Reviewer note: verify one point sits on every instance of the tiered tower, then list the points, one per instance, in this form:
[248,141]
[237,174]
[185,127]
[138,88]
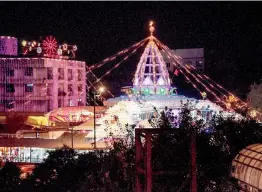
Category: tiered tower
[151,77]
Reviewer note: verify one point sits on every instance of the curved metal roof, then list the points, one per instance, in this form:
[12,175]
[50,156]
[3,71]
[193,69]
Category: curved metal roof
[247,166]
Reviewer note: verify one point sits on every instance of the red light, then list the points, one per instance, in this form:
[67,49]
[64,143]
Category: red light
[50,45]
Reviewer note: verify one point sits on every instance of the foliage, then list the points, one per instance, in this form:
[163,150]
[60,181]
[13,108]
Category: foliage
[114,170]
[9,177]
[254,98]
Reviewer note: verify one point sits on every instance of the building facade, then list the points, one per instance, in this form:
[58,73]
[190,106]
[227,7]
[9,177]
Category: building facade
[41,84]
[194,57]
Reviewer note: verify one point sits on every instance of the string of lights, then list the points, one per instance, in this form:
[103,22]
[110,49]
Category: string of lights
[117,65]
[113,57]
[99,81]
[186,70]
[208,79]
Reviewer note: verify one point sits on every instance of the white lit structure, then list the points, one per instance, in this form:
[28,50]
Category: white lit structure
[41,84]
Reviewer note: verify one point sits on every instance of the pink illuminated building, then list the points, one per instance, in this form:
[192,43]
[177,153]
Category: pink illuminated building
[41,84]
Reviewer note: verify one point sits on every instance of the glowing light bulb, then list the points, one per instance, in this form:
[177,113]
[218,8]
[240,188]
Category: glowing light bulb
[151,23]
[23,43]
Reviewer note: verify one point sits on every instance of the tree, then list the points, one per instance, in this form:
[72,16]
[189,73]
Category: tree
[254,98]
[217,143]
[10,177]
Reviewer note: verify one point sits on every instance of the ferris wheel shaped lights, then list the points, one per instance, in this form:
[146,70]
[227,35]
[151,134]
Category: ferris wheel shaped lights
[50,45]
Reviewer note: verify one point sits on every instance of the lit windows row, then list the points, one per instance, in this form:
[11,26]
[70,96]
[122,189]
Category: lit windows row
[10,87]
[28,71]
[61,74]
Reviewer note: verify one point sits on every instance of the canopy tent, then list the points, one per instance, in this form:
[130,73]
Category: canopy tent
[37,121]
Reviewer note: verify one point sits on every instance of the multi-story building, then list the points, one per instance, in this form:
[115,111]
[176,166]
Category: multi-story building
[40,84]
[194,57]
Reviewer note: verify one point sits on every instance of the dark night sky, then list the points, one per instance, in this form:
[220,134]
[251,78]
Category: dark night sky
[229,32]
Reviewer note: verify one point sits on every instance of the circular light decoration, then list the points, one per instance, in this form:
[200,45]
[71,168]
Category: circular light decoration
[39,50]
[30,48]
[50,45]
[74,48]
[59,51]
[23,43]
[162,91]
[146,91]
[29,43]
[65,47]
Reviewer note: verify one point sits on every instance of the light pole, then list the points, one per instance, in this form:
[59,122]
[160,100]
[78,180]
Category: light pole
[101,90]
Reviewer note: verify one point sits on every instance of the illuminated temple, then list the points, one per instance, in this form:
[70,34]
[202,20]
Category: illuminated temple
[43,99]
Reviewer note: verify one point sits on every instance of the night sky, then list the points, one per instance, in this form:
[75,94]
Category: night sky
[231,33]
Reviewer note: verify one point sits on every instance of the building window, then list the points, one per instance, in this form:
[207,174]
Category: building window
[10,72]
[49,73]
[29,87]
[70,90]
[49,90]
[29,71]
[61,91]
[79,75]
[61,73]
[80,88]
[60,102]
[70,74]
[70,102]
[167,65]
[10,104]
[10,88]
[79,102]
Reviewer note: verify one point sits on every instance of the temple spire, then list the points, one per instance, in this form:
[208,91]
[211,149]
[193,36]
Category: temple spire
[151,75]
[151,28]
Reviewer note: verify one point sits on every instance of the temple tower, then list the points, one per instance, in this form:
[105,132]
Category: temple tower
[151,77]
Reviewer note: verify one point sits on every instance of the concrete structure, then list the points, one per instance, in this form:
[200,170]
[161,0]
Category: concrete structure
[194,57]
[41,84]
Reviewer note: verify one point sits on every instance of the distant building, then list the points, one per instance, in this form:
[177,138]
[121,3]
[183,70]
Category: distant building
[38,84]
[194,57]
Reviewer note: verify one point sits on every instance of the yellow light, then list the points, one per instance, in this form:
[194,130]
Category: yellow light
[151,23]
[101,89]
[253,113]
[23,43]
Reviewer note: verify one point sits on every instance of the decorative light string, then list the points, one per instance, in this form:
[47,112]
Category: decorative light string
[113,57]
[98,80]
[206,78]
[180,64]
[117,65]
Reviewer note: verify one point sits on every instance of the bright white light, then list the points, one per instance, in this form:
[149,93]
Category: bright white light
[160,81]
[101,89]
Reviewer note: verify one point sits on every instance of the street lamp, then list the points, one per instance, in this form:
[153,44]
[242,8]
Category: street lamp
[101,90]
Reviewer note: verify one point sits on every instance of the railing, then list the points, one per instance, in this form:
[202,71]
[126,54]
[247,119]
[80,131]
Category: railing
[11,136]
[21,160]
